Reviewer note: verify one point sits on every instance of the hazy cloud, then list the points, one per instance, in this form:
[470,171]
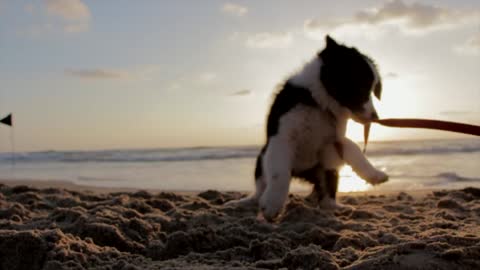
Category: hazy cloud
[411,18]
[456,113]
[391,75]
[415,15]
[75,14]
[241,93]
[234,9]
[140,72]
[174,86]
[68,9]
[97,73]
[471,46]
[195,80]
[269,40]
[207,77]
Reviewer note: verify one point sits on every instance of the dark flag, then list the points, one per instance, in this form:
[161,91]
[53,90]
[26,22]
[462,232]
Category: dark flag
[7,120]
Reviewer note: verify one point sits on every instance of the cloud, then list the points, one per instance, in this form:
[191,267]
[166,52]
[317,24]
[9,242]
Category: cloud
[174,86]
[68,9]
[456,113]
[97,73]
[413,18]
[244,92]
[207,77]
[391,75]
[269,40]
[195,80]
[74,14]
[471,46]
[141,72]
[234,9]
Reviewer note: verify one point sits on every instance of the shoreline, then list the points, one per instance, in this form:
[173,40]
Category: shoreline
[41,184]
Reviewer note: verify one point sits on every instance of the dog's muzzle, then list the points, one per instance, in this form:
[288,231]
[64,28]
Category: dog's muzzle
[363,118]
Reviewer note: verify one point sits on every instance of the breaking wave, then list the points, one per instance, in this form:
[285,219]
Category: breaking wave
[223,153]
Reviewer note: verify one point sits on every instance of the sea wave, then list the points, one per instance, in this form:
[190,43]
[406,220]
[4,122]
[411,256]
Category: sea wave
[440,178]
[222,153]
[424,150]
[149,155]
[454,177]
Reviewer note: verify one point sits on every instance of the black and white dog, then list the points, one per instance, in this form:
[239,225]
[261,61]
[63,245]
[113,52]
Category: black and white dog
[306,128]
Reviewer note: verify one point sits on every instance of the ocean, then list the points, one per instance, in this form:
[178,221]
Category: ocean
[411,165]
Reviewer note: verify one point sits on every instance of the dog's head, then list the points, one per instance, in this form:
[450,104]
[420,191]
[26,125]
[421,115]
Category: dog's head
[350,78]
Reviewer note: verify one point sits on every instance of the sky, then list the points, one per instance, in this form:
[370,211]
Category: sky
[80,74]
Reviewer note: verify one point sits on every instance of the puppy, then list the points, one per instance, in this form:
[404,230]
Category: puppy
[306,128]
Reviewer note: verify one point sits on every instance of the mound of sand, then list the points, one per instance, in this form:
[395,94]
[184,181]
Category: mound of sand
[60,229]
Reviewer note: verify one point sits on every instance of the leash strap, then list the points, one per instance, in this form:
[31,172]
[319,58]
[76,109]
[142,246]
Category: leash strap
[422,123]
[431,124]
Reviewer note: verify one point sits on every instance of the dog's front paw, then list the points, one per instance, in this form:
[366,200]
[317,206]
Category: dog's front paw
[377,177]
[271,205]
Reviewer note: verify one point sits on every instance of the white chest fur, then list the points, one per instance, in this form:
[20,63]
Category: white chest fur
[307,131]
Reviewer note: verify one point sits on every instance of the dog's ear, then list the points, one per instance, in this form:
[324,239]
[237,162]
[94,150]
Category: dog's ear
[331,43]
[330,49]
[378,90]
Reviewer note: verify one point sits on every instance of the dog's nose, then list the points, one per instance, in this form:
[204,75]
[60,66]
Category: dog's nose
[374,116]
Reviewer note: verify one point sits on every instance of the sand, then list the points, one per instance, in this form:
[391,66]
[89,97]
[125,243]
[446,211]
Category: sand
[57,228]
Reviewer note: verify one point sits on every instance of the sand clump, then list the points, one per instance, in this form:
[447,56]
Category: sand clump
[61,229]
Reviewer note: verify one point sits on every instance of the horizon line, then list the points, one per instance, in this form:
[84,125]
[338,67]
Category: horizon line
[217,146]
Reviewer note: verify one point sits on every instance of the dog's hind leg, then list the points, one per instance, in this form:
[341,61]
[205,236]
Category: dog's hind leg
[260,183]
[332,162]
[325,184]
[324,192]
[331,183]
[329,201]
[316,176]
[277,173]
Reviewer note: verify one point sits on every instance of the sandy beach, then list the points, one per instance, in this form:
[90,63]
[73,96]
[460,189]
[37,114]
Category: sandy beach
[72,227]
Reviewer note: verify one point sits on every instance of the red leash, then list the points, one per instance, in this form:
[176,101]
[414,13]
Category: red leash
[423,123]
[431,124]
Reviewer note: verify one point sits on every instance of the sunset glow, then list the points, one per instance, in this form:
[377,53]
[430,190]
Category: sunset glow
[351,182]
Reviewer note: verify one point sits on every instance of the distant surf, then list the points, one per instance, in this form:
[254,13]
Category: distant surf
[219,153]
[410,164]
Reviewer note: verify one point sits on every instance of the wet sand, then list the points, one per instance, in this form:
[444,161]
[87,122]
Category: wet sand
[71,228]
